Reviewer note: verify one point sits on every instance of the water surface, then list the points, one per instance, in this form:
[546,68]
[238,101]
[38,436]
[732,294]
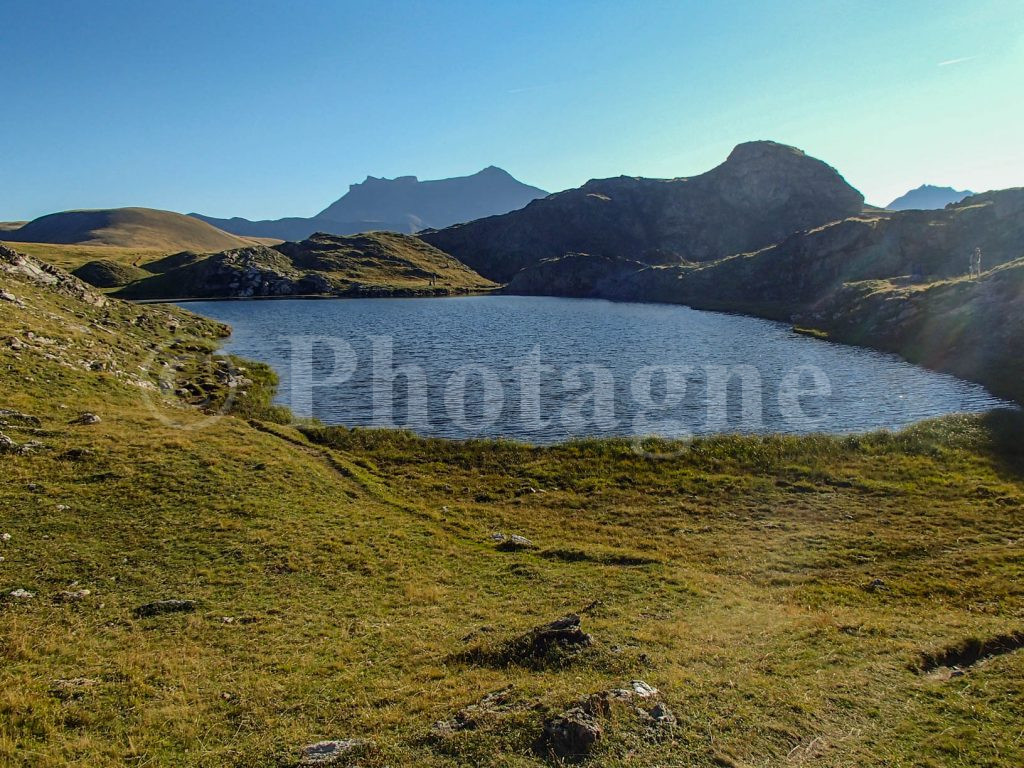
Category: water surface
[549,369]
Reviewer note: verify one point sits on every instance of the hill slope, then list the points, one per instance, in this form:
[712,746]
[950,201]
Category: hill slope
[871,280]
[404,204]
[761,194]
[928,197]
[793,600]
[145,228]
[373,264]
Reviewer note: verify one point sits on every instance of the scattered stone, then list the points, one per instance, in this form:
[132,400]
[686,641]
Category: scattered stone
[161,607]
[572,734]
[512,542]
[661,716]
[7,445]
[71,596]
[85,418]
[330,752]
[7,416]
[72,689]
[564,637]
[22,594]
[5,296]
[472,717]
[876,585]
[5,537]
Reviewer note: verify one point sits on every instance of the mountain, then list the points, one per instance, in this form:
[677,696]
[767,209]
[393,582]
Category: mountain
[763,192]
[891,280]
[404,204]
[126,227]
[927,197]
[371,264]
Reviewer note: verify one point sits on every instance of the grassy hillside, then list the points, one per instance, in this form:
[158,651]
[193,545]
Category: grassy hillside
[784,594]
[143,228]
[371,264]
[70,257]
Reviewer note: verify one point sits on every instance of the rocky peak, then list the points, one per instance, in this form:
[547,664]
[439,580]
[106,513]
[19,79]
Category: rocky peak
[763,151]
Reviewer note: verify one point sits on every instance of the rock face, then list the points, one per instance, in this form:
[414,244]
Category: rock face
[928,197]
[761,194]
[404,204]
[578,275]
[891,280]
[375,264]
[53,278]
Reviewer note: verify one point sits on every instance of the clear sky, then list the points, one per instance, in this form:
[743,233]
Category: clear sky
[266,109]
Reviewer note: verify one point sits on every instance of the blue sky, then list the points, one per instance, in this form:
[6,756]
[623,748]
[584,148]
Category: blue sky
[266,109]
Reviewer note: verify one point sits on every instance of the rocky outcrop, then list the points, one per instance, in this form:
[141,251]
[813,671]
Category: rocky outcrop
[375,264]
[890,280]
[761,194]
[578,275]
[53,278]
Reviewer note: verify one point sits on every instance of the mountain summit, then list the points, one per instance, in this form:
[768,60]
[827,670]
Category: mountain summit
[403,204]
[928,197]
[762,193]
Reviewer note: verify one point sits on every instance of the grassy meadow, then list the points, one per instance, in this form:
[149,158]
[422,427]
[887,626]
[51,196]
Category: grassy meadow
[782,593]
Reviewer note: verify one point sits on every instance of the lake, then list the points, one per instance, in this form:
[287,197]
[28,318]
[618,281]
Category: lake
[548,369]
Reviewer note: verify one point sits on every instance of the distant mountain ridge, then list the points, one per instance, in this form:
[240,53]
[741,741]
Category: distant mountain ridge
[762,193]
[404,204]
[928,197]
[126,227]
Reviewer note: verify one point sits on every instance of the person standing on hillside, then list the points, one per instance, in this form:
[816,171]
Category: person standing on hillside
[975,271]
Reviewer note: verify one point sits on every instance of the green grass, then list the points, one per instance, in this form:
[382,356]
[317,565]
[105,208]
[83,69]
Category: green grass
[731,576]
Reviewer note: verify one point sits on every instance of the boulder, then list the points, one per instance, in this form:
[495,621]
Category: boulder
[563,637]
[572,734]
[512,542]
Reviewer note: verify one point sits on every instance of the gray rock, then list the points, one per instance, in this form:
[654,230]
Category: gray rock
[512,542]
[161,607]
[471,717]
[86,418]
[8,416]
[662,716]
[330,752]
[572,734]
[7,445]
[22,594]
